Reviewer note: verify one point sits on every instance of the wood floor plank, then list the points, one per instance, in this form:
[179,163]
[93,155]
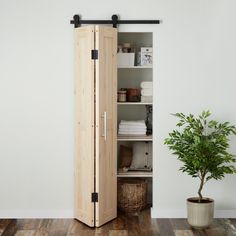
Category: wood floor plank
[233,221]
[133,226]
[165,227]
[25,233]
[11,228]
[138,224]
[119,223]
[198,232]
[148,226]
[215,232]
[118,233]
[76,227]
[55,227]
[180,224]
[28,224]
[4,223]
[41,232]
[183,232]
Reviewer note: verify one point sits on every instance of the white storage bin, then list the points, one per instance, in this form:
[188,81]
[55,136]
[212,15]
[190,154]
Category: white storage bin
[125,59]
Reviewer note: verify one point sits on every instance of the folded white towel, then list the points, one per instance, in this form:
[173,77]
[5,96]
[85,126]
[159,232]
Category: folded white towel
[132,129]
[133,122]
[131,133]
[146,98]
[141,126]
[146,84]
[146,92]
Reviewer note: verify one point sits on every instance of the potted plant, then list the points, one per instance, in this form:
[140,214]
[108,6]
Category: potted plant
[201,145]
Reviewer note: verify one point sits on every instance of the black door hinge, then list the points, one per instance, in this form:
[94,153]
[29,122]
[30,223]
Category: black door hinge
[94,54]
[94,197]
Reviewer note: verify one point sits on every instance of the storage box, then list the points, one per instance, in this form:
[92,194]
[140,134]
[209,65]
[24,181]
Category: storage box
[146,56]
[125,59]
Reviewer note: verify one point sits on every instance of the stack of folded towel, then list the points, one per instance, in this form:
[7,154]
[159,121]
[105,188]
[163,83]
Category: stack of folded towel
[137,127]
[146,91]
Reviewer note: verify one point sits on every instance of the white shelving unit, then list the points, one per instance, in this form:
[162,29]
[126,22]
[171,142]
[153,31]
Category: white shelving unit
[143,174]
[131,77]
[134,67]
[146,138]
[134,103]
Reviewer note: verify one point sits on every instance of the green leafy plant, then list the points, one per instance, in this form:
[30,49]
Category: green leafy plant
[201,145]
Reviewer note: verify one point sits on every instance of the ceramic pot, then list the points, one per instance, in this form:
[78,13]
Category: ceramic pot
[200,214]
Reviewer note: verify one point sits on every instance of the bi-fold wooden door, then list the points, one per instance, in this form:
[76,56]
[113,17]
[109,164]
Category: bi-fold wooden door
[96,122]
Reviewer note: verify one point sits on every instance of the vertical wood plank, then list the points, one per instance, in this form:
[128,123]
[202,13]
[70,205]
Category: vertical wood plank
[106,122]
[84,118]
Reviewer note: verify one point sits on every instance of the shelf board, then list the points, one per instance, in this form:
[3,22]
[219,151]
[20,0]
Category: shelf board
[135,174]
[134,103]
[134,67]
[134,138]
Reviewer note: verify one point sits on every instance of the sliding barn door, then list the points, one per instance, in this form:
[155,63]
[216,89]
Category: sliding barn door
[106,124]
[84,125]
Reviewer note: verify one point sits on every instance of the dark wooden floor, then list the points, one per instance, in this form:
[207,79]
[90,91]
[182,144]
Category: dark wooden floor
[125,225]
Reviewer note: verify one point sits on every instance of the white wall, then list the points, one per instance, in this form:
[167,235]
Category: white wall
[194,70]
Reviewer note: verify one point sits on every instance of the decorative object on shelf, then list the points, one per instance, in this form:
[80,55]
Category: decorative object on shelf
[137,127]
[142,156]
[202,145]
[146,56]
[132,195]
[138,58]
[126,47]
[133,95]
[146,91]
[149,119]
[119,49]
[122,94]
[126,156]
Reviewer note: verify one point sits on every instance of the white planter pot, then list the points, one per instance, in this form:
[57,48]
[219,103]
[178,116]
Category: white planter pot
[200,215]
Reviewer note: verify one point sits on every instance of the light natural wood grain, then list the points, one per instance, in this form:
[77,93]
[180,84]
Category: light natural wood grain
[84,135]
[106,130]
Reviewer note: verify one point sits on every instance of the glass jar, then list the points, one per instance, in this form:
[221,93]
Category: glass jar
[122,95]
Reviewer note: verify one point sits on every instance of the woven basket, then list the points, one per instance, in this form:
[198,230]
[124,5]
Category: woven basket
[132,195]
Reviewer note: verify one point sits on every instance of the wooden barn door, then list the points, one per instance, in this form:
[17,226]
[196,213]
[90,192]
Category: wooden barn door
[96,121]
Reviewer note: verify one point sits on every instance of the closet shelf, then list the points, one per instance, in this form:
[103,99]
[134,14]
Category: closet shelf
[134,174]
[134,67]
[134,138]
[134,103]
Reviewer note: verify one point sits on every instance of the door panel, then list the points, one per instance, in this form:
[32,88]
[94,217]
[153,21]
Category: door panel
[84,122]
[106,124]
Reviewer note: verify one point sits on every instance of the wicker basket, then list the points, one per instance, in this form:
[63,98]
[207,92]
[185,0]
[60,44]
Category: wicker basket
[132,195]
